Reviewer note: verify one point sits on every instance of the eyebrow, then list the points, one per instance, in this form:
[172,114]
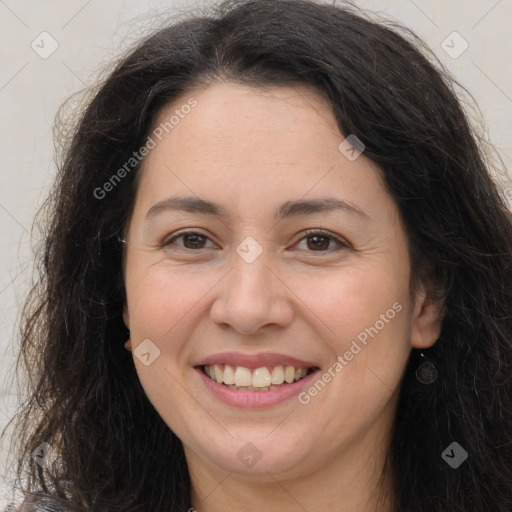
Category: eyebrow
[286,210]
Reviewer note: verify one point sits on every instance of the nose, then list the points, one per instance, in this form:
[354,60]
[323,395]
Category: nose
[252,297]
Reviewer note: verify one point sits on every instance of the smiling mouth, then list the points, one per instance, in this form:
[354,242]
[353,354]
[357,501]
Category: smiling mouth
[265,378]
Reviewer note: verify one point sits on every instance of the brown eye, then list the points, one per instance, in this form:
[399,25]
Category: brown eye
[191,240]
[319,241]
[194,241]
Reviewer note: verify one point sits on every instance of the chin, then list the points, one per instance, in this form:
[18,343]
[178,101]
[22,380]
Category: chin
[256,455]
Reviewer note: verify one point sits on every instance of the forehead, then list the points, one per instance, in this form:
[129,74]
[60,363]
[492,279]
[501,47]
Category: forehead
[238,117]
[244,144]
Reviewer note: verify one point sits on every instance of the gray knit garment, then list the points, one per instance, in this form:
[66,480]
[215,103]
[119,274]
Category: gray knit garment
[37,503]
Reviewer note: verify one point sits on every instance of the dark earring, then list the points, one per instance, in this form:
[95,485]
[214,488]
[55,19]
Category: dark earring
[426,372]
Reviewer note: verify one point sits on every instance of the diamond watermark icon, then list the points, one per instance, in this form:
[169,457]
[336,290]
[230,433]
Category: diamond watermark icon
[454,455]
[45,455]
[249,455]
[147,352]
[249,249]
[351,148]
[44,45]
[454,45]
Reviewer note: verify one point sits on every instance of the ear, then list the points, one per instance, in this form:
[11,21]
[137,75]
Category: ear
[126,316]
[427,320]
[126,320]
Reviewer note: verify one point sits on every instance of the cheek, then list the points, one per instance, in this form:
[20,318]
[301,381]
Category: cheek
[348,300]
[162,296]
[163,304]
[361,314]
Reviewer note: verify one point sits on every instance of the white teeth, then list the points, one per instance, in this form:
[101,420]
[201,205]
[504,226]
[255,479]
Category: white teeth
[261,378]
[229,374]
[277,375]
[243,376]
[289,374]
[219,374]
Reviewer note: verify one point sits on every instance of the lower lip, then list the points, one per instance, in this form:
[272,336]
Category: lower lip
[254,399]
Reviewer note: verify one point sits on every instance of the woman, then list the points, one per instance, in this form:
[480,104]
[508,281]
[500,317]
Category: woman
[277,273]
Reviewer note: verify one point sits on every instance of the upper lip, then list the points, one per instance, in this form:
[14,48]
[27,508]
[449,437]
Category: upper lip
[256,360]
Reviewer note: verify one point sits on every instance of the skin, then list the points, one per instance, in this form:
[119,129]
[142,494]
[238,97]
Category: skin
[250,150]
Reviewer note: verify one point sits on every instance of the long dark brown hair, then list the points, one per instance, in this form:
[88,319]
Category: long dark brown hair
[85,399]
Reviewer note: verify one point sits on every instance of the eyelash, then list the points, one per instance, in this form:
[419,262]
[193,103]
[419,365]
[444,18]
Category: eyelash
[309,233]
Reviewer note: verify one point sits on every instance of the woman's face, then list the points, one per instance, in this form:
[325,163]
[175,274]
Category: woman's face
[250,172]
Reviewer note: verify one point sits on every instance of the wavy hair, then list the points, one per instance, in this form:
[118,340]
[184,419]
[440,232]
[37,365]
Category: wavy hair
[384,86]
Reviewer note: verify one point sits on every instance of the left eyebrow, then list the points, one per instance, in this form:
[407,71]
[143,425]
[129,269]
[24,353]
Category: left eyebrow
[286,210]
[311,206]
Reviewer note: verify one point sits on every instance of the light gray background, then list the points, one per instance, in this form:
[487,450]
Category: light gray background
[91,33]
